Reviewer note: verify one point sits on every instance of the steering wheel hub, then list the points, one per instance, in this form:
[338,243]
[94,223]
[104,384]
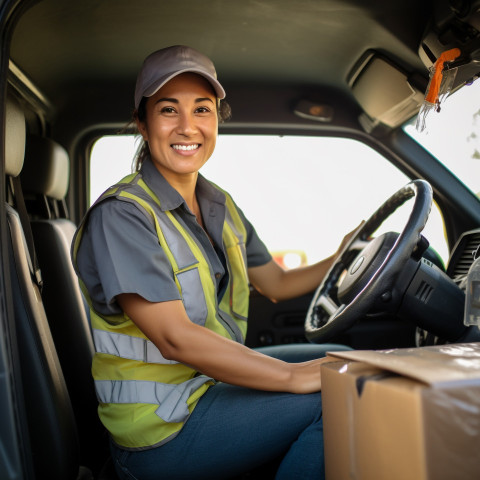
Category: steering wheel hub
[363,267]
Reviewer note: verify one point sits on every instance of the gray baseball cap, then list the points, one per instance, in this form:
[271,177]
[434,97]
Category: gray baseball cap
[163,65]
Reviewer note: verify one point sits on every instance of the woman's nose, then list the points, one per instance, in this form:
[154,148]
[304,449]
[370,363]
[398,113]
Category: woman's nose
[186,124]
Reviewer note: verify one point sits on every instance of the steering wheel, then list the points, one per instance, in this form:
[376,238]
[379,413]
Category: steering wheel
[359,283]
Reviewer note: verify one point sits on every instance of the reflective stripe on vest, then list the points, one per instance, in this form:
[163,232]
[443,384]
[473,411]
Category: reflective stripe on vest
[232,224]
[118,342]
[126,346]
[234,240]
[172,399]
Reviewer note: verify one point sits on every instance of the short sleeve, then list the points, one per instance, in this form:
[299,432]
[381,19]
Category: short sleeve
[120,253]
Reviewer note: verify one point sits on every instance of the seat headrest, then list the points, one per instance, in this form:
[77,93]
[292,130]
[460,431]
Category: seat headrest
[47,168]
[14,137]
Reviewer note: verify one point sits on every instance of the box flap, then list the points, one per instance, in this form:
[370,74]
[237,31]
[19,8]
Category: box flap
[436,365]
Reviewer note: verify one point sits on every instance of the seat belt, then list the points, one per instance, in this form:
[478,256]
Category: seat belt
[27,229]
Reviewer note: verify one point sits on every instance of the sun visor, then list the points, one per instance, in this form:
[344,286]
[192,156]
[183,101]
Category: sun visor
[386,93]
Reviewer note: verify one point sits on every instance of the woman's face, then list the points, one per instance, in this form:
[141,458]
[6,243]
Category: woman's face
[181,126]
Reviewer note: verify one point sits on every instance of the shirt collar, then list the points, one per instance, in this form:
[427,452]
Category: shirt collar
[169,198]
[208,191]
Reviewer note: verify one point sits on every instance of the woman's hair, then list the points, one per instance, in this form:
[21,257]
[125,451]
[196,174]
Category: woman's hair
[224,114]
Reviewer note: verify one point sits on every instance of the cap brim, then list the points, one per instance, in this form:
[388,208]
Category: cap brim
[159,83]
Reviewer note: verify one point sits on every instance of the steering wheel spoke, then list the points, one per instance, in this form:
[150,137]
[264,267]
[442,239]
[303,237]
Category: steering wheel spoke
[325,308]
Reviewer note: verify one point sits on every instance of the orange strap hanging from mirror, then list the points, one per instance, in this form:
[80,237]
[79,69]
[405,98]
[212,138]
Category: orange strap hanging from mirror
[436,80]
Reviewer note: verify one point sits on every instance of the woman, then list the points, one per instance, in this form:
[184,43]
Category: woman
[165,259]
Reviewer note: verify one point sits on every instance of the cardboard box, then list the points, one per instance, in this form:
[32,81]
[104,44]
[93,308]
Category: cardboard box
[409,414]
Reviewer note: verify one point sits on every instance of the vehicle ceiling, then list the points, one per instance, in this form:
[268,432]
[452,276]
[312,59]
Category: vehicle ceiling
[89,50]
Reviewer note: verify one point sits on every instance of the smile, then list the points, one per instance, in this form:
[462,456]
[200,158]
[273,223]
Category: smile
[185,147]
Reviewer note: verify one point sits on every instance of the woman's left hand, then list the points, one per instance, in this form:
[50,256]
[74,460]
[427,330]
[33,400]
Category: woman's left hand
[347,238]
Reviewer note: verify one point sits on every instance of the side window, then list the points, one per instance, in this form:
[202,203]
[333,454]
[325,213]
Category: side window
[110,160]
[302,194]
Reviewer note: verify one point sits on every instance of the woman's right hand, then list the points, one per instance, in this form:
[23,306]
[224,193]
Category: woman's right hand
[306,376]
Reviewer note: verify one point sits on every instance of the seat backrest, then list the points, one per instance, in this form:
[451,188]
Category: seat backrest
[51,424]
[45,180]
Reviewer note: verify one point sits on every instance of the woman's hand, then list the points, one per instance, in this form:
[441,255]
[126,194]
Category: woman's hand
[306,376]
[347,238]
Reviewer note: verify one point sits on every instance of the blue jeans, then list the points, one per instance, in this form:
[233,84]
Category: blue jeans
[234,430]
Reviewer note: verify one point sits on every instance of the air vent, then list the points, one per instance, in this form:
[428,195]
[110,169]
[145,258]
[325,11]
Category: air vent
[424,291]
[463,255]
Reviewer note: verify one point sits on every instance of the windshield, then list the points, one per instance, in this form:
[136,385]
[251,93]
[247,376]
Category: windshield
[296,190]
[453,135]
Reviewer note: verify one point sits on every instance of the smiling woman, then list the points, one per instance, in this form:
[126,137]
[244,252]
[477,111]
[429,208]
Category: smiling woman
[166,257]
[180,126]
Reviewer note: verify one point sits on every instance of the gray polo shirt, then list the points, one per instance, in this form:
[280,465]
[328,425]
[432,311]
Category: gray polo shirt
[120,252]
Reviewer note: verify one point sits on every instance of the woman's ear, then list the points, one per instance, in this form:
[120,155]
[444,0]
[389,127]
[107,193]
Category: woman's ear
[142,128]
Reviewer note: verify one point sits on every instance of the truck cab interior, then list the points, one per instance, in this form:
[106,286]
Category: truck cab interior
[336,86]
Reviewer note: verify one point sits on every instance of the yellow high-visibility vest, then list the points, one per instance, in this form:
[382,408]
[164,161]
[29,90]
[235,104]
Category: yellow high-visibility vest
[145,398]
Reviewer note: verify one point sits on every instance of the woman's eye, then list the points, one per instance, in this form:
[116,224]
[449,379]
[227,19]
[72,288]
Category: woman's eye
[168,110]
[202,110]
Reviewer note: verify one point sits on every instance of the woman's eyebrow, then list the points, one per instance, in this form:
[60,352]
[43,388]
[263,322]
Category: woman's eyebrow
[174,100]
[170,100]
[199,100]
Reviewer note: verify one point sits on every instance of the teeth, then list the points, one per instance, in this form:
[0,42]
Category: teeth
[185,147]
